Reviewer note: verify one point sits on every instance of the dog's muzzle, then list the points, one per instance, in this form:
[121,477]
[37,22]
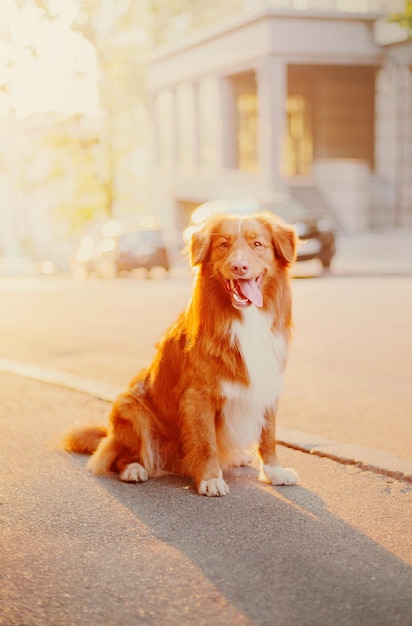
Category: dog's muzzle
[245,292]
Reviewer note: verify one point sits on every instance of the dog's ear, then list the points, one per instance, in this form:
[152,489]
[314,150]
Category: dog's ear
[284,239]
[286,243]
[199,246]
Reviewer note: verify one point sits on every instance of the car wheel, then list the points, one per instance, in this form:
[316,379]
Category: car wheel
[158,271]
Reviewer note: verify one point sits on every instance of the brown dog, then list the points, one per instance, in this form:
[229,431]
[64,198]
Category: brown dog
[213,387]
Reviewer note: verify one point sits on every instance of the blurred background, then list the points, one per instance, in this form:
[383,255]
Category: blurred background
[121,116]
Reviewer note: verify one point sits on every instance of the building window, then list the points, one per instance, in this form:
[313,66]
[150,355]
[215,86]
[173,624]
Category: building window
[246,116]
[358,6]
[299,138]
[330,115]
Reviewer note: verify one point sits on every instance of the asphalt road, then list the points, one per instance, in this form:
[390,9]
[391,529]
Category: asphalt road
[79,550]
[348,376]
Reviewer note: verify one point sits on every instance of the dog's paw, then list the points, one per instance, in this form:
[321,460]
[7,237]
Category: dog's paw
[134,473]
[277,475]
[213,487]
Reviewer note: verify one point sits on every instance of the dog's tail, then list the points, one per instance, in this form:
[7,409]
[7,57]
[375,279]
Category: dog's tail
[83,439]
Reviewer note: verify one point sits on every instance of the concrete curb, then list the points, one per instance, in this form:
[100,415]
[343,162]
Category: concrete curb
[346,454]
[52,376]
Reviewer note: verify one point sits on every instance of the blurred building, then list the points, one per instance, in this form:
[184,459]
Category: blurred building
[309,96]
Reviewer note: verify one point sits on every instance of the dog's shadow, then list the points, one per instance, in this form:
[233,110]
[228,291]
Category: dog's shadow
[269,550]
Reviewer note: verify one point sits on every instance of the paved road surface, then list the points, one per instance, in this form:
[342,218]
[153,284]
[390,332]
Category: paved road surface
[348,376]
[80,550]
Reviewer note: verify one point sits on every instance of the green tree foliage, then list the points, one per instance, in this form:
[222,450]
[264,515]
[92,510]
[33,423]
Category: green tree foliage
[403,18]
[84,171]
[75,147]
[123,33]
[119,31]
[172,18]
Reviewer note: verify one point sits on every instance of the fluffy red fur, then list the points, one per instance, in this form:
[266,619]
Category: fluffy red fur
[213,387]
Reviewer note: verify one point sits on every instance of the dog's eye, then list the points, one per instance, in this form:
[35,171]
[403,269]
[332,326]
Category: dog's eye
[224,244]
[257,244]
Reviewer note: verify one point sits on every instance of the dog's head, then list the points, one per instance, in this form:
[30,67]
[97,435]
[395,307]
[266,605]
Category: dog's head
[244,253]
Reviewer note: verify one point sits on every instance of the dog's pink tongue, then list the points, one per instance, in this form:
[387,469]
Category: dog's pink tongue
[251,291]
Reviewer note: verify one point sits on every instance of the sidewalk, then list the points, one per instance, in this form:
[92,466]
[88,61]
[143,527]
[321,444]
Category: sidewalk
[380,253]
[385,252]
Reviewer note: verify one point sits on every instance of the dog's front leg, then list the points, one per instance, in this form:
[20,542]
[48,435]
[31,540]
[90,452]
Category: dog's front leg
[270,469]
[199,440]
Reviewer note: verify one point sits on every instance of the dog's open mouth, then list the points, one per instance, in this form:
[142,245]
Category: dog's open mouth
[245,291]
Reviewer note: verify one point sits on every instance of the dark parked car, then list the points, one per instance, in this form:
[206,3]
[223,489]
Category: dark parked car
[314,229]
[125,252]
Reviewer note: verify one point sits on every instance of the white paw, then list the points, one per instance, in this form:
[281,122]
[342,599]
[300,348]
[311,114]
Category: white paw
[213,487]
[277,475]
[134,473]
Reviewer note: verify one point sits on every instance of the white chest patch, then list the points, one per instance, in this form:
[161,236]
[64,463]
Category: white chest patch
[264,354]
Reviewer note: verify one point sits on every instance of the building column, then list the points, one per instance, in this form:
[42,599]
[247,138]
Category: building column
[228,123]
[403,140]
[196,124]
[271,78]
[164,121]
[154,131]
